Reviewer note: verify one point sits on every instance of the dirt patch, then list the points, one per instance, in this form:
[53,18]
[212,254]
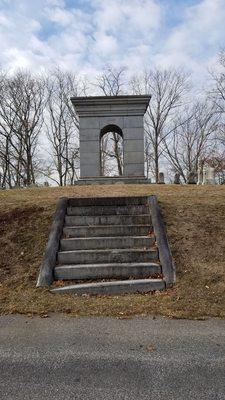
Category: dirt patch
[195,220]
[23,233]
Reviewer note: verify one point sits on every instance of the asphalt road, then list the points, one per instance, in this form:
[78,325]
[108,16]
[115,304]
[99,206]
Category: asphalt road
[103,358]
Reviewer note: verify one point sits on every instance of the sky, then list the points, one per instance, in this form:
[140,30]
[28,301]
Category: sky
[86,35]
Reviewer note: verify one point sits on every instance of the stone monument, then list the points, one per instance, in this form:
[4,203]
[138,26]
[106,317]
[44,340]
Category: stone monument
[191,178]
[103,114]
[177,178]
[161,178]
[200,174]
[208,175]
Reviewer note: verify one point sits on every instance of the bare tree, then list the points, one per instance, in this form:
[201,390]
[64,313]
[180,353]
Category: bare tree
[111,83]
[192,139]
[112,154]
[5,178]
[217,94]
[168,89]
[62,127]
[21,120]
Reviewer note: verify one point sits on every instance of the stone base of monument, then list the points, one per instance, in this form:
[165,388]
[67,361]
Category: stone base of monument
[113,180]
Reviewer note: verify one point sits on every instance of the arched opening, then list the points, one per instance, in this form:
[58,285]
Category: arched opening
[111,151]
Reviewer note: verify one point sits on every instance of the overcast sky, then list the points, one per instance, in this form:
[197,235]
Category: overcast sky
[84,35]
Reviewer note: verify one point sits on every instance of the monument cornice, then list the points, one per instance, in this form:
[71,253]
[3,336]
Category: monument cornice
[115,105]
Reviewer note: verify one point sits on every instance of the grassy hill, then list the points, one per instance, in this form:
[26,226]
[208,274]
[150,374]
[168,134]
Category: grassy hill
[195,220]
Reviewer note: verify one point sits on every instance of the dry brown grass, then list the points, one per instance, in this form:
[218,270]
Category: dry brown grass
[195,219]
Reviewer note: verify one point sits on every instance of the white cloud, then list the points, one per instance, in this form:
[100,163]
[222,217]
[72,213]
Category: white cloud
[105,44]
[104,35]
[18,57]
[58,3]
[60,16]
[195,42]
[4,21]
[133,33]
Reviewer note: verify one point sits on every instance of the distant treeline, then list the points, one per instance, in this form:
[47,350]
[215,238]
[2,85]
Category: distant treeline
[39,129]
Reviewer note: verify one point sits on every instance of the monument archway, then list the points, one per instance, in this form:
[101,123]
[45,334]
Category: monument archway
[98,114]
[111,151]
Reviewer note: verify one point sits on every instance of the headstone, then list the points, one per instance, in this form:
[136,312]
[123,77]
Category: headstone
[200,175]
[191,178]
[177,178]
[161,178]
[208,175]
[211,176]
[46,184]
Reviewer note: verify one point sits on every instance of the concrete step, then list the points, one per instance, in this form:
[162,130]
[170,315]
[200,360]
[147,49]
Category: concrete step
[109,201]
[107,256]
[118,242]
[107,220]
[101,271]
[114,288]
[109,210]
[106,230]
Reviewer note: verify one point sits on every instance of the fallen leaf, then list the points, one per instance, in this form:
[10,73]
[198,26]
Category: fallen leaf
[44,316]
[150,348]
[59,283]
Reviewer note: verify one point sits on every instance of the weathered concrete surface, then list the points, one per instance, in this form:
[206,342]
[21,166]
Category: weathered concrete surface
[109,246]
[45,277]
[114,287]
[63,358]
[108,230]
[107,201]
[114,242]
[79,220]
[165,256]
[108,210]
[107,256]
[117,270]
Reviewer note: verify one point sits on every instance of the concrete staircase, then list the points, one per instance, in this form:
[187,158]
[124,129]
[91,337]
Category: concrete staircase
[108,246]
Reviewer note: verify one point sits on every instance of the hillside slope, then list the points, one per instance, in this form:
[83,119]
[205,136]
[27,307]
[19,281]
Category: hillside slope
[195,220]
